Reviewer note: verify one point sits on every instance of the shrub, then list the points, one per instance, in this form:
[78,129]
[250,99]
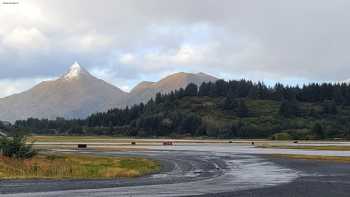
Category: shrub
[318,131]
[289,108]
[298,134]
[281,136]
[242,110]
[16,147]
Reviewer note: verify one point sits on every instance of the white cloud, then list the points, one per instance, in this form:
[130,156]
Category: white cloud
[13,86]
[28,39]
[125,88]
[134,38]
[163,59]
[25,13]
[107,74]
[127,58]
[87,42]
[188,54]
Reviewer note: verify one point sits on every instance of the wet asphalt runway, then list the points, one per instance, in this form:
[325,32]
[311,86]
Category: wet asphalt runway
[316,179]
[204,173]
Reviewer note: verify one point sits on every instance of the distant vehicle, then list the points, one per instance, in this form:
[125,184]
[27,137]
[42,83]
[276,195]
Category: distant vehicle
[82,145]
[168,143]
[133,143]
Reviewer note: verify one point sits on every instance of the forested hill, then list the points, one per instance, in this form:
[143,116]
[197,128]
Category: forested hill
[224,109]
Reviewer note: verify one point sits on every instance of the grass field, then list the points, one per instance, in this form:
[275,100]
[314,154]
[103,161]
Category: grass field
[67,166]
[110,139]
[302,147]
[314,157]
[69,138]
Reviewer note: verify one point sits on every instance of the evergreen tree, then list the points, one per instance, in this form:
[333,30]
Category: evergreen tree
[204,89]
[158,98]
[234,131]
[253,93]
[191,90]
[220,88]
[317,130]
[242,110]
[329,107]
[230,101]
[278,92]
[190,123]
[338,95]
[289,108]
[159,116]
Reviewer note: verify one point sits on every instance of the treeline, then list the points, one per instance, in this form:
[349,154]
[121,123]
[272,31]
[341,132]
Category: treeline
[214,109]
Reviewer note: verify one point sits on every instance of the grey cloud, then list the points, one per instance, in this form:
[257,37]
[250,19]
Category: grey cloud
[278,39]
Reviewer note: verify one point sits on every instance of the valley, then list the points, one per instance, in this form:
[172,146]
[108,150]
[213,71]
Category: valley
[174,98]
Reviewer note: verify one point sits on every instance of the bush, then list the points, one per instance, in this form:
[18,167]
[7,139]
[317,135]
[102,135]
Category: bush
[281,136]
[298,134]
[16,147]
[289,108]
[242,110]
[318,131]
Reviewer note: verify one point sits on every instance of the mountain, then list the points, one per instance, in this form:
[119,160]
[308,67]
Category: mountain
[315,112]
[74,95]
[146,90]
[78,94]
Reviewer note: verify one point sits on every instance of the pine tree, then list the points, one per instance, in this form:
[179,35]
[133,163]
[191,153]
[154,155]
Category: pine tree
[191,90]
[230,101]
[242,110]
[158,98]
[338,95]
[220,88]
[317,130]
[329,107]
[289,108]
[204,89]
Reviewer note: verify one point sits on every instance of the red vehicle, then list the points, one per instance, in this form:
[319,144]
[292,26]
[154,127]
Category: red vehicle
[168,143]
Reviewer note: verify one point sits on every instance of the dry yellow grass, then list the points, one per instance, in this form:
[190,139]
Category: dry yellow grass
[75,167]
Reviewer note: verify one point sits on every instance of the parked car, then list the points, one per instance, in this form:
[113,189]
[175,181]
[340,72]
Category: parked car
[168,143]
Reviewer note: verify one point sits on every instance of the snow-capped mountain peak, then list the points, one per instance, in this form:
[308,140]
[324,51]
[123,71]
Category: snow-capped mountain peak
[75,71]
[76,94]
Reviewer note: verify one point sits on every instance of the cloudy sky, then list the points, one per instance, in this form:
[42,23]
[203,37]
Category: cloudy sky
[127,41]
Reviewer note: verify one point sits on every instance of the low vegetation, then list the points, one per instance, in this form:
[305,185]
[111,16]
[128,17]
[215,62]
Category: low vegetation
[16,147]
[68,138]
[74,167]
[18,160]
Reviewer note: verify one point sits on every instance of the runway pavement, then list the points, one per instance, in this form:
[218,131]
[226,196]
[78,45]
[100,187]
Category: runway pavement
[205,169]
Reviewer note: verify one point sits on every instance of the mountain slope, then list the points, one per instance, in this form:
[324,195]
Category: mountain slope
[78,94]
[147,90]
[74,95]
